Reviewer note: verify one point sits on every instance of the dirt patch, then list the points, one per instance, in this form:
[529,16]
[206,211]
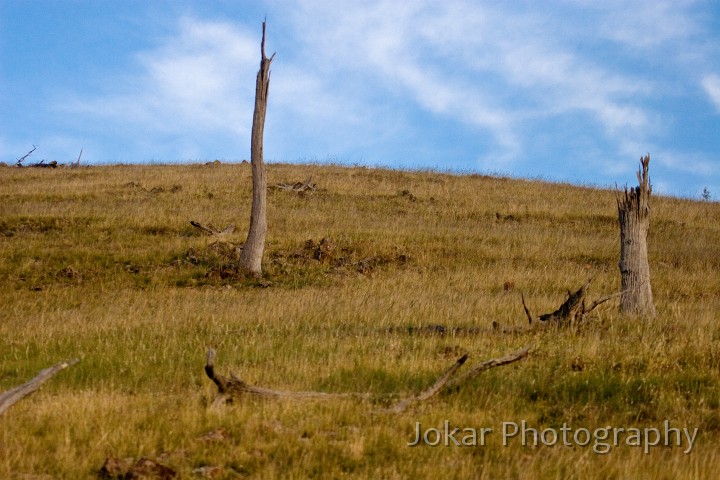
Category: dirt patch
[129,468]
[311,260]
[409,195]
[217,252]
[337,258]
[69,273]
[221,259]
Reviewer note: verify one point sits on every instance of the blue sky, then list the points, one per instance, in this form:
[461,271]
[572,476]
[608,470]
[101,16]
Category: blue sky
[571,91]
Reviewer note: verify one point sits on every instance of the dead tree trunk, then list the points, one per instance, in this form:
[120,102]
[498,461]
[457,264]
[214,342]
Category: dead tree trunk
[634,218]
[252,252]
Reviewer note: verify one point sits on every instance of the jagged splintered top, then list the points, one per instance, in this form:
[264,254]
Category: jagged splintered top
[637,198]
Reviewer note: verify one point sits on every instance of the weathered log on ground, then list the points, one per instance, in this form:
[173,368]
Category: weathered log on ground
[299,187]
[42,164]
[447,382]
[438,385]
[233,387]
[22,159]
[210,230]
[14,395]
[487,365]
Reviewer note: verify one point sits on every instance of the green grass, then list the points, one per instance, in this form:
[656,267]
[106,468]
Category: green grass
[101,263]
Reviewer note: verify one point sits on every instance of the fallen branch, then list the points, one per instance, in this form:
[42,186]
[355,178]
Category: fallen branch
[42,164]
[210,230]
[527,311]
[298,187]
[403,405]
[21,159]
[77,163]
[487,365]
[234,387]
[604,299]
[14,395]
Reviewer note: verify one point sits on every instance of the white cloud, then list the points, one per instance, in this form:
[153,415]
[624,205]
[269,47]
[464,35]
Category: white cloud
[199,81]
[688,162]
[667,160]
[645,24]
[490,68]
[711,84]
[198,70]
[389,78]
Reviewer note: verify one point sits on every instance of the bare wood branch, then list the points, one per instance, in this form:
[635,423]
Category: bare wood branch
[21,159]
[438,385]
[527,311]
[602,300]
[77,163]
[228,230]
[14,395]
[204,228]
[299,187]
[210,230]
[487,365]
[235,387]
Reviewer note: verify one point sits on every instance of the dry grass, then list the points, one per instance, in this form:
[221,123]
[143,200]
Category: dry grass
[101,263]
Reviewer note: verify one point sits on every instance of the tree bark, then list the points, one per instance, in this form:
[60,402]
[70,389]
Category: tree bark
[634,218]
[252,252]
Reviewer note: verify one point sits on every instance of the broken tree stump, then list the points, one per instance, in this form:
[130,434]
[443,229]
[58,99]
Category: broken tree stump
[572,311]
[634,218]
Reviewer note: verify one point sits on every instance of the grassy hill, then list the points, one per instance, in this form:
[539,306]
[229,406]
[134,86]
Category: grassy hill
[102,263]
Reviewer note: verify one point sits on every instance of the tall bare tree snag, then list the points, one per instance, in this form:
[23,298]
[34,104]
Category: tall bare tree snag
[252,252]
[634,217]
